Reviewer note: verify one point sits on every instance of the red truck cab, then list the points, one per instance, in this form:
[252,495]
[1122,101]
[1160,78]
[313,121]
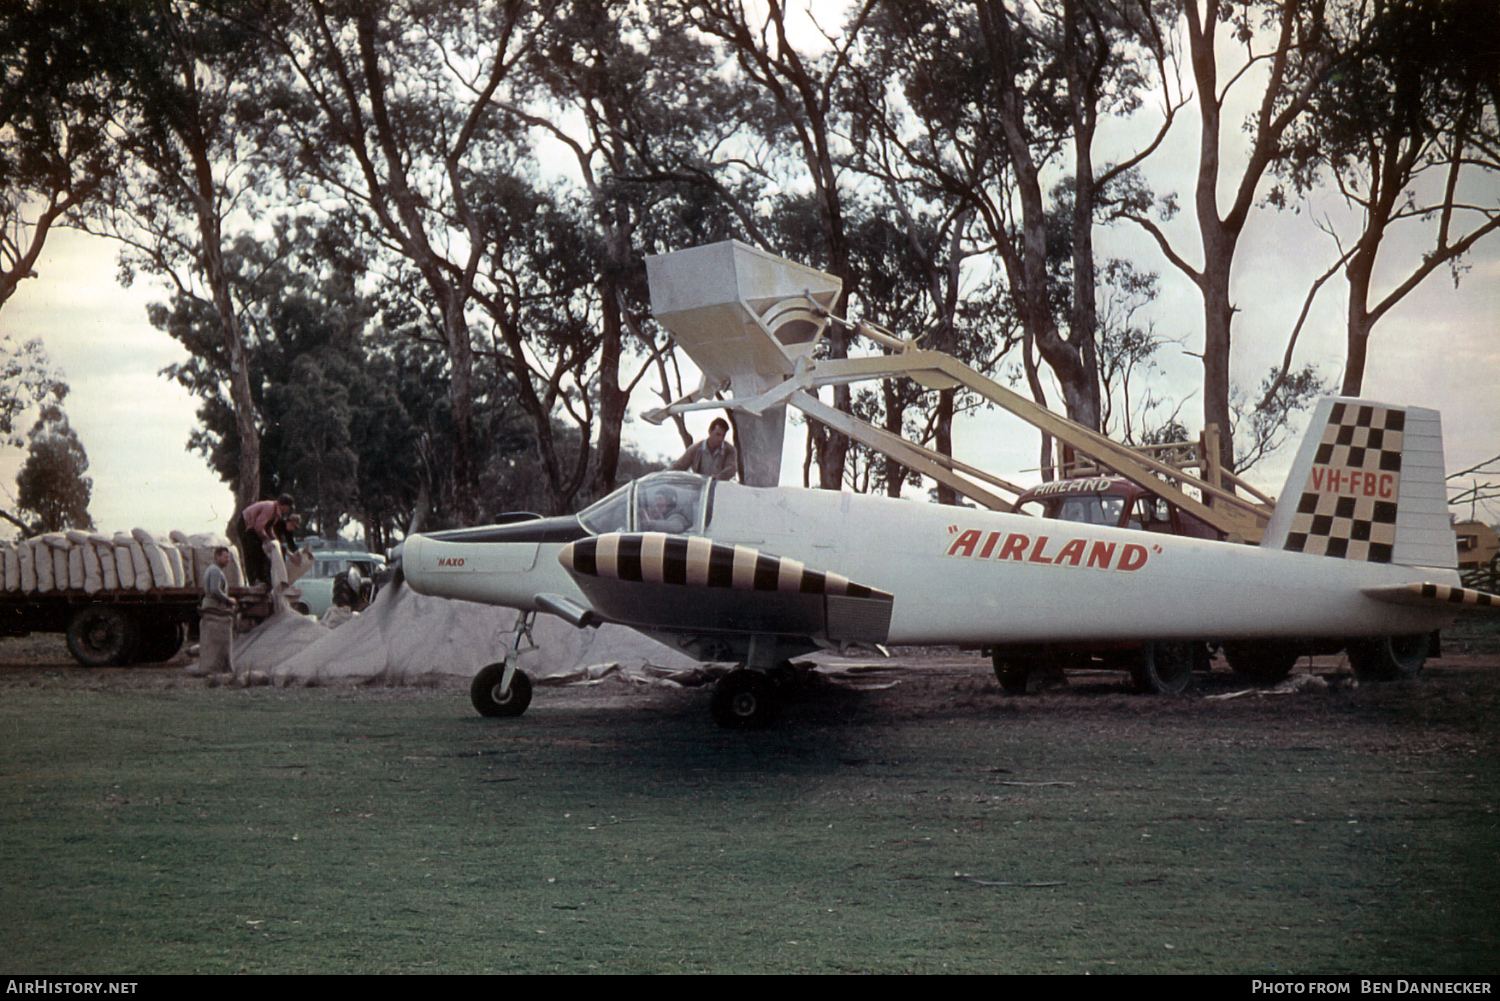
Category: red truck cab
[1114,501]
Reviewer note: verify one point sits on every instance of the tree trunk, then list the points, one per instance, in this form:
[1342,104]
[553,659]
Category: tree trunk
[612,399]
[1218,240]
[465,498]
[247,487]
[1358,320]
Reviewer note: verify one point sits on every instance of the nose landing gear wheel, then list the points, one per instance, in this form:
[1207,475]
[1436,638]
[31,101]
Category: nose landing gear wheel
[489,700]
[744,700]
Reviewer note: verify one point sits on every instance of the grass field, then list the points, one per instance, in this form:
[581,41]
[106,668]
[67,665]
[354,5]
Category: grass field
[152,825]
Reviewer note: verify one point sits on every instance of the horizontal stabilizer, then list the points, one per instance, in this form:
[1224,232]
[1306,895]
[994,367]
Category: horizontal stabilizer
[1429,595]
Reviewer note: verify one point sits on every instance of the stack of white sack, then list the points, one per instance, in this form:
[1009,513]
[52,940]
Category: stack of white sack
[92,562]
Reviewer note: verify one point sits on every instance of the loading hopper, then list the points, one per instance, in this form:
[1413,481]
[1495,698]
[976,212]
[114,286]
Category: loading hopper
[744,316]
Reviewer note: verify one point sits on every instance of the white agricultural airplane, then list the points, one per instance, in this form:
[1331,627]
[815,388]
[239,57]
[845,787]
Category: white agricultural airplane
[1359,554]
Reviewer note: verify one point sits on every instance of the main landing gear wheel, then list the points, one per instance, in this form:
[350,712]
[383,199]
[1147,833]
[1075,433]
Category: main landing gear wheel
[100,636]
[1389,658]
[744,700]
[488,698]
[1164,668]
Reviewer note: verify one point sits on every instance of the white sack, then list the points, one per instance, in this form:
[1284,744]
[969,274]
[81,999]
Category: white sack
[26,556]
[125,561]
[41,555]
[155,557]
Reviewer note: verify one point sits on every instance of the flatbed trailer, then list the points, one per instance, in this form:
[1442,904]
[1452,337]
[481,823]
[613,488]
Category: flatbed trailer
[117,627]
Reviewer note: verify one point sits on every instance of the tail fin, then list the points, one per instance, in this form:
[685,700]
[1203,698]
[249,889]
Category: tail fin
[1367,484]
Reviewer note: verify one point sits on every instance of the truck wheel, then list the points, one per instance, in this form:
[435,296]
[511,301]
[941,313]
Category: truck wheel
[1389,658]
[159,643]
[101,636]
[1264,662]
[1011,670]
[1164,668]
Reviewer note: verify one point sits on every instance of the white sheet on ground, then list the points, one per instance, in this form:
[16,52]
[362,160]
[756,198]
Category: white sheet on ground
[405,637]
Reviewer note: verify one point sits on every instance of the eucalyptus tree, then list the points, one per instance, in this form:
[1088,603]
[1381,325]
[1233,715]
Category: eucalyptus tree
[1288,49]
[31,384]
[191,72]
[1051,74]
[391,108]
[60,87]
[977,105]
[919,130]
[28,381]
[296,295]
[803,89]
[52,492]
[915,275]
[638,111]
[1408,136]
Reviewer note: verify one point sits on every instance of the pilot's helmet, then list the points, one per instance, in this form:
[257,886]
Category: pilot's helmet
[668,496]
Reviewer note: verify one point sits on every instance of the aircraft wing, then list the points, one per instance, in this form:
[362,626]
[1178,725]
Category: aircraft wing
[1430,595]
[691,584]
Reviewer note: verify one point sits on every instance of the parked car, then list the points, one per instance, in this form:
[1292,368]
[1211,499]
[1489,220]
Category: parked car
[331,560]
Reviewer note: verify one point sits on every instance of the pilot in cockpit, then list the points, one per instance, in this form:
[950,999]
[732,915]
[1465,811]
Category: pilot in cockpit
[662,513]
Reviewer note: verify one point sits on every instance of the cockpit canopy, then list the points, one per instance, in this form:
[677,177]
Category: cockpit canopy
[676,503]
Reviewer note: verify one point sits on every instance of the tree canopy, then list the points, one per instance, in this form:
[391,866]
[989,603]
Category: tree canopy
[52,491]
[406,241]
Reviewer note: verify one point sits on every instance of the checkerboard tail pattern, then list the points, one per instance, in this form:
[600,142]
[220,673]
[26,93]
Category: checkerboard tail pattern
[1348,504]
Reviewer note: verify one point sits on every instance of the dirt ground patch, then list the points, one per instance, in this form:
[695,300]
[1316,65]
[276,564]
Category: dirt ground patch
[906,816]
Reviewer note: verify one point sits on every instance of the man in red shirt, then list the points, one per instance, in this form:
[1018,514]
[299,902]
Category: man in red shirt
[254,529]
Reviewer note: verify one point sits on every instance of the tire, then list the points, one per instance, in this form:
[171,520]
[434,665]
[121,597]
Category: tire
[1264,662]
[101,636]
[159,643]
[1389,658]
[1011,671]
[1163,668]
[744,700]
[490,701]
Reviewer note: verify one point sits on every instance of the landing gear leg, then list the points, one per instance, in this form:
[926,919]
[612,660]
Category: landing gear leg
[503,689]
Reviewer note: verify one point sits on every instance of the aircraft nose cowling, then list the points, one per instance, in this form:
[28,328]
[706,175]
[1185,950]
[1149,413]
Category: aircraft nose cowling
[501,564]
[495,573]
[689,583]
